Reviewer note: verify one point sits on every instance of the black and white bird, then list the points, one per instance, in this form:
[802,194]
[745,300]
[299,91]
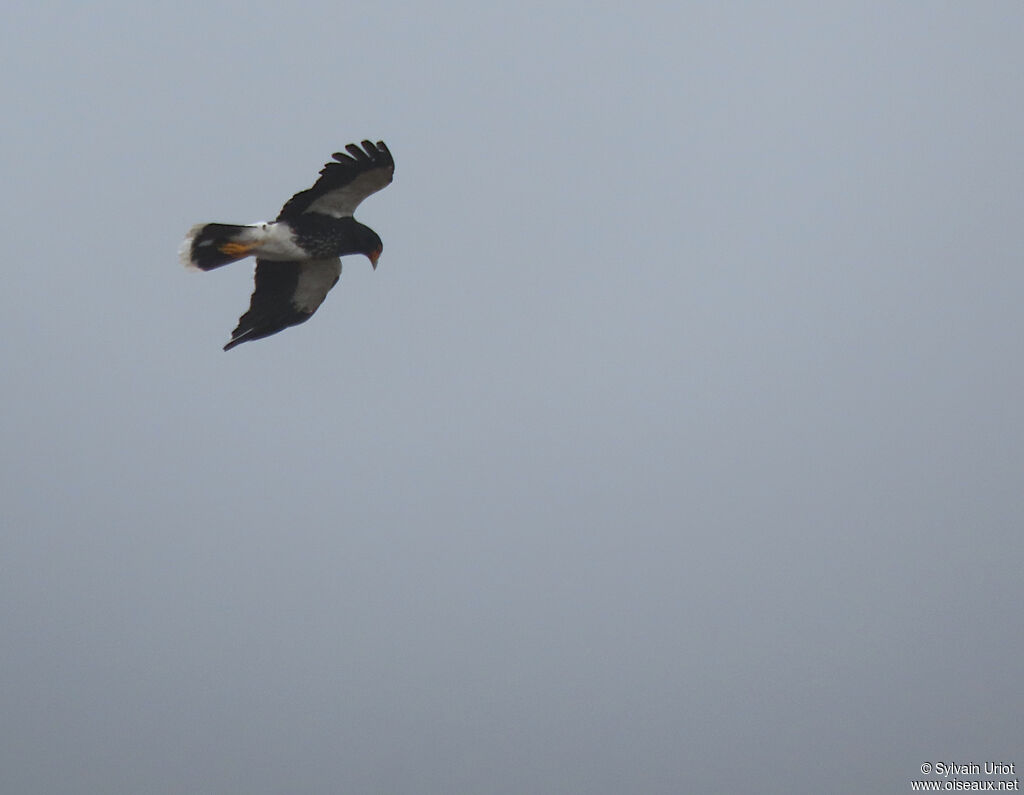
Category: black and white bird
[298,255]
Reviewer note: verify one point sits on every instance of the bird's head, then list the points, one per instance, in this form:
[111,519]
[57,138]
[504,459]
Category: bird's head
[370,244]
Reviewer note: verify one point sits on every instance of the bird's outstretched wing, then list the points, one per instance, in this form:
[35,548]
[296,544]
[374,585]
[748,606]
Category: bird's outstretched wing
[286,294]
[345,183]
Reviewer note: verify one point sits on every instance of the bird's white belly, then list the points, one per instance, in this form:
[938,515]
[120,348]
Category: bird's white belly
[278,243]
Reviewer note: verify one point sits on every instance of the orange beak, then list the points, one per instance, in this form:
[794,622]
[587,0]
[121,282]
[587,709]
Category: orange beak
[374,256]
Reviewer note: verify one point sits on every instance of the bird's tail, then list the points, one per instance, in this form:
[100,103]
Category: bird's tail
[208,246]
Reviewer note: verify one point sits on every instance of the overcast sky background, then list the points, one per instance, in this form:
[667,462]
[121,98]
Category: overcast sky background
[674,446]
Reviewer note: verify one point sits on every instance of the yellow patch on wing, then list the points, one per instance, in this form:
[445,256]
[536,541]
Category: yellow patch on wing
[236,249]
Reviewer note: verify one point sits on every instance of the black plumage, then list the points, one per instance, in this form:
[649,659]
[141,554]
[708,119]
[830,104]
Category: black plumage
[298,253]
[324,236]
[267,314]
[346,182]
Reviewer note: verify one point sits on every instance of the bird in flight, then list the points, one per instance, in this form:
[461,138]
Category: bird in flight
[298,256]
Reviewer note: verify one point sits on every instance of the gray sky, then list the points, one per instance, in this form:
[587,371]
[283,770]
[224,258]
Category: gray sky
[674,446]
